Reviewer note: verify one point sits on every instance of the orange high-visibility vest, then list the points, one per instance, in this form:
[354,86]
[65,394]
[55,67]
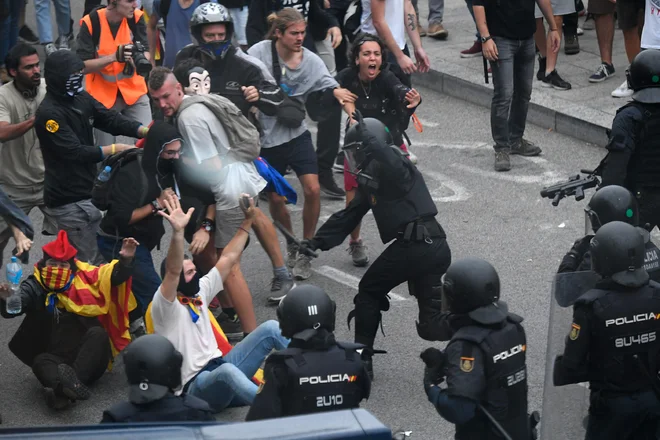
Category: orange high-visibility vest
[103,86]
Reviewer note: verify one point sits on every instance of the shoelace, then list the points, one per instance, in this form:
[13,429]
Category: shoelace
[602,69]
[353,246]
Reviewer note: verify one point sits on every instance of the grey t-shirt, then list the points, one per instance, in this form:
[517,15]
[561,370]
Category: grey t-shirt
[310,76]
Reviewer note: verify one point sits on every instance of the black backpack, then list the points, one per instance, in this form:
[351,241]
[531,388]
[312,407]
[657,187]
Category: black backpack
[102,189]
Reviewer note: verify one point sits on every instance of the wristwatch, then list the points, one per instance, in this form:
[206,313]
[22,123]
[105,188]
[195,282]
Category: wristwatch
[155,206]
[484,39]
[208,225]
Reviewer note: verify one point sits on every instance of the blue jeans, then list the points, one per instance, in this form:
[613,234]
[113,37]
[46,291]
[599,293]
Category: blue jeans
[145,279]
[513,73]
[229,385]
[469,5]
[9,27]
[44,26]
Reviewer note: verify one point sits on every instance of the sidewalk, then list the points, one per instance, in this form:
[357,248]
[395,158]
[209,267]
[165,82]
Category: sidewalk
[584,112]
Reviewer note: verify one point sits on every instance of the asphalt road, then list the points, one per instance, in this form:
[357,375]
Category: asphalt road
[496,216]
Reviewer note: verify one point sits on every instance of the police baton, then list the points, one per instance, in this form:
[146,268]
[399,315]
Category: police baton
[495,423]
[304,249]
[653,382]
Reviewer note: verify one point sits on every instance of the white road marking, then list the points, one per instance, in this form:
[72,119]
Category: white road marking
[348,280]
[457,146]
[426,123]
[460,192]
[545,178]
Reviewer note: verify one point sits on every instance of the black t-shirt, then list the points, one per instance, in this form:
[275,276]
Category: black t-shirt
[513,19]
[87,51]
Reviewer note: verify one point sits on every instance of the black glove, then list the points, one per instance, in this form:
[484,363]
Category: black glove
[307,247]
[369,141]
[582,246]
[434,371]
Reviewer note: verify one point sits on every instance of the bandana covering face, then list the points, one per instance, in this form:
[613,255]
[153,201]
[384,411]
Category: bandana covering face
[216,48]
[56,279]
[74,85]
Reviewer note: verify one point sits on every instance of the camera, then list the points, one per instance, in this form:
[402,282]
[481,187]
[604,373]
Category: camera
[142,64]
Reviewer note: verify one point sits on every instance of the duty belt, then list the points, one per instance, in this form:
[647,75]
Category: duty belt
[421,230]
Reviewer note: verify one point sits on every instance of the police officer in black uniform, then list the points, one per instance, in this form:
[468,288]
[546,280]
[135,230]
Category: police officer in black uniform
[484,362]
[613,342]
[608,204]
[232,71]
[315,373]
[153,368]
[392,187]
[633,159]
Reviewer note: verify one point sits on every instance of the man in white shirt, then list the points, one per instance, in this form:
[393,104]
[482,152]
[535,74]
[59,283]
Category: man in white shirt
[180,313]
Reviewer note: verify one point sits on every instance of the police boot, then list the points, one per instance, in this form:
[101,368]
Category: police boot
[367,361]
[429,301]
[367,318]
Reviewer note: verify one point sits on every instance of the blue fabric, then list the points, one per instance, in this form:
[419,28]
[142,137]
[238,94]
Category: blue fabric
[177,31]
[276,182]
[9,27]
[145,279]
[454,409]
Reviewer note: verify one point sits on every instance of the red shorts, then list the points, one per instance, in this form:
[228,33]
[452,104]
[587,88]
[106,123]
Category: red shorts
[350,181]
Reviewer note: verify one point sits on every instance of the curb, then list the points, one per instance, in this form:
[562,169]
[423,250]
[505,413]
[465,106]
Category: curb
[541,115]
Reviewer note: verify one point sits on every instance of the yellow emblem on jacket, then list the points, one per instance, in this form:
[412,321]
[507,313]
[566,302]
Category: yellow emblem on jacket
[52,126]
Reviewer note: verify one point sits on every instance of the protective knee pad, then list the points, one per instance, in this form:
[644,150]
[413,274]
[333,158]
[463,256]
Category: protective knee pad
[367,317]
[430,325]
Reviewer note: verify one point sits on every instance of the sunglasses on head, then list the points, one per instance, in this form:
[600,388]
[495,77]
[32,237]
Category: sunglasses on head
[187,300]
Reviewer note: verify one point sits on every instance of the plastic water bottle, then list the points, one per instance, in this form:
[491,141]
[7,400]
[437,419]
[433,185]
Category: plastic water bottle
[105,174]
[14,275]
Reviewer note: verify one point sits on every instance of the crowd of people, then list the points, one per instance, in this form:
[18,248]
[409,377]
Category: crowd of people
[189,114]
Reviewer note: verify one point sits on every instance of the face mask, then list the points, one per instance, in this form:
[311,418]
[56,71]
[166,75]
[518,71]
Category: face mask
[191,288]
[200,82]
[55,279]
[216,48]
[74,85]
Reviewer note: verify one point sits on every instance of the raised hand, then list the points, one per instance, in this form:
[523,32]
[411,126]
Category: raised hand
[128,247]
[175,215]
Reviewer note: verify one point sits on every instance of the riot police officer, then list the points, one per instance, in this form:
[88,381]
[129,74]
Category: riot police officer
[633,159]
[608,204]
[392,187]
[484,362]
[315,373]
[613,341]
[153,369]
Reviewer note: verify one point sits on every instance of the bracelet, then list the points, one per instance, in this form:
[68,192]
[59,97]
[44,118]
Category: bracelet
[246,231]
[113,149]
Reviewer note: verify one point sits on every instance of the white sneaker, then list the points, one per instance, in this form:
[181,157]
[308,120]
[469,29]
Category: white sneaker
[580,31]
[622,91]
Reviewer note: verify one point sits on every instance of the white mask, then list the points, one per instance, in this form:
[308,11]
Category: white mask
[199,82]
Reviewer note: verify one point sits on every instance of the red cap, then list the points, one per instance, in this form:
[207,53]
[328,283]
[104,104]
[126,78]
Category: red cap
[60,249]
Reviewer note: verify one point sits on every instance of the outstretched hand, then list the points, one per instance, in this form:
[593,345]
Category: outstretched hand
[128,247]
[175,215]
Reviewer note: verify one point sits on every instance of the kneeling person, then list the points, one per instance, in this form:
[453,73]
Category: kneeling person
[307,316]
[179,311]
[153,369]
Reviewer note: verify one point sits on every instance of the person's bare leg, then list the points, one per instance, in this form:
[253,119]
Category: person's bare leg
[312,205]
[278,210]
[539,38]
[632,43]
[267,236]
[355,234]
[605,33]
[239,293]
[551,57]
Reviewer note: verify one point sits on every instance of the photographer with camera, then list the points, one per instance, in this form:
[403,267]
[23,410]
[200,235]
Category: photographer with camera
[113,44]
[484,363]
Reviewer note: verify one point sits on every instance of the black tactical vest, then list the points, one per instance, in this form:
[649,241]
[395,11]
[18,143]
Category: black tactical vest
[624,324]
[393,211]
[321,381]
[652,261]
[645,163]
[170,408]
[505,396]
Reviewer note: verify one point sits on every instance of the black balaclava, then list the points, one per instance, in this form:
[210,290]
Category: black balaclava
[61,74]
[189,289]
[155,167]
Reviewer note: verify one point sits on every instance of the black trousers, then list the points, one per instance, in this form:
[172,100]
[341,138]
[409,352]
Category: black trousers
[420,263]
[89,361]
[631,416]
[327,140]
[649,207]
[571,21]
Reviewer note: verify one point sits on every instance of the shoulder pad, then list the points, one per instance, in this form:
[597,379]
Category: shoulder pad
[632,104]
[590,296]
[352,345]
[517,319]
[472,333]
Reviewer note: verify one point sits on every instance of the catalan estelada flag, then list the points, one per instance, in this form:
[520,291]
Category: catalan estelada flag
[91,294]
[220,338]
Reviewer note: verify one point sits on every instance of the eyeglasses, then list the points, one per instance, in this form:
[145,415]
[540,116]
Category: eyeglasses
[187,300]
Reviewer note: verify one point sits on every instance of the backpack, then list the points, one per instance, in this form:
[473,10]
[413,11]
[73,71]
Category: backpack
[243,137]
[404,119]
[102,190]
[95,31]
[290,112]
[353,20]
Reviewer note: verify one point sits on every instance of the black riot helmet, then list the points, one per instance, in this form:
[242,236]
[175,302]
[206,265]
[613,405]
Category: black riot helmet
[472,287]
[612,203]
[304,310]
[354,150]
[153,368]
[617,252]
[644,76]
